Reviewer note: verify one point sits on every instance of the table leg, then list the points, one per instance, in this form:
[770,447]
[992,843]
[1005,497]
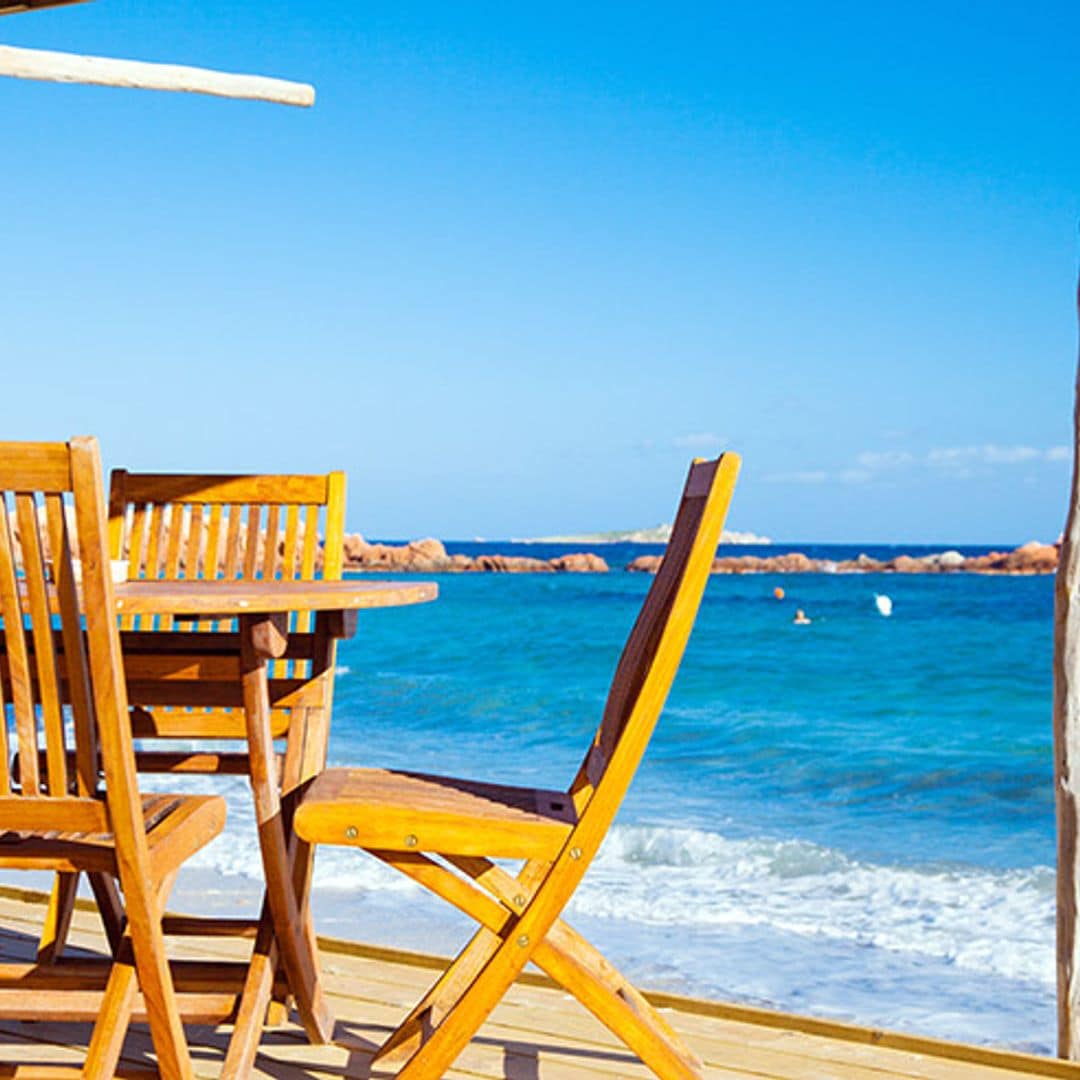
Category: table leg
[254,1001]
[260,639]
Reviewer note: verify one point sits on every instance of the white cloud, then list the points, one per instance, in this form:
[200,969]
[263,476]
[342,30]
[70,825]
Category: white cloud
[886,459]
[812,476]
[702,440]
[990,454]
[855,476]
[954,462]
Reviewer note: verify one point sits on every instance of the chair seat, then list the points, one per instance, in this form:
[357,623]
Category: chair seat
[397,811]
[176,825]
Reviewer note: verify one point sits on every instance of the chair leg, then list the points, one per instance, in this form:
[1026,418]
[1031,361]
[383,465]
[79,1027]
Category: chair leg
[278,849]
[54,933]
[582,970]
[107,897]
[446,1041]
[254,1001]
[110,1030]
[564,955]
[113,1021]
[451,984]
[144,911]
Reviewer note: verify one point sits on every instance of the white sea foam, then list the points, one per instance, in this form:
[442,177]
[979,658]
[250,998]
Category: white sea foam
[988,922]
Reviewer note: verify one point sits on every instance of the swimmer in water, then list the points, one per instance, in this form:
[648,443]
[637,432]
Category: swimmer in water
[801,618]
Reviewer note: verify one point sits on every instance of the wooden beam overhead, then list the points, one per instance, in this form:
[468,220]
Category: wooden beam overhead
[102,71]
[11,7]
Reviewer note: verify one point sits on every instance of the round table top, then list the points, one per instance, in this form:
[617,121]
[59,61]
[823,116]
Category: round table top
[231,598]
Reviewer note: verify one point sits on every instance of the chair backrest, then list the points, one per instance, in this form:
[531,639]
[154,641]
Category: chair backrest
[52,533]
[654,649]
[171,526]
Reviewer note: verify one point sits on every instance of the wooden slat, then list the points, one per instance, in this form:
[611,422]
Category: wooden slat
[195,535]
[67,815]
[232,541]
[334,548]
[188,828]
[73,667]
[164,666]
[34,467]
[20,680]
[270,553]
[154,550]
[203,762]
[311,536]
[263,489]
[251,542]
[378,808]
[9,597]
[224,693]
[213,542]
[48,678]
[219,723]
[191,643]
[174,534]
[288,559]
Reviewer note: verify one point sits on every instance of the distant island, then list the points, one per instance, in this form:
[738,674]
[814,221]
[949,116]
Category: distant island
[658,534]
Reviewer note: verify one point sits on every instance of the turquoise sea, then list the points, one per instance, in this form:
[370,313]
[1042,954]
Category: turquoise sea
[852,818]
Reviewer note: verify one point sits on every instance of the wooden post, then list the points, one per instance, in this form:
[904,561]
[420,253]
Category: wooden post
[1067,756]
[47,66]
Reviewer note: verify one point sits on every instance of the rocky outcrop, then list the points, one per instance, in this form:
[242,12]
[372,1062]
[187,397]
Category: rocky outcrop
[420,556]
[793,563]
[1032,558]
[583,562]
[430,557]
[511,564]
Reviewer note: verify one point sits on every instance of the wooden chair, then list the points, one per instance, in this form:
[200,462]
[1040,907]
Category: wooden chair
[444,833]
[54,814]
[175,526]
[182,677]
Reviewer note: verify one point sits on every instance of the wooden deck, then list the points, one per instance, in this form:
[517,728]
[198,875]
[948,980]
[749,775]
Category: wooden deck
[537,1032]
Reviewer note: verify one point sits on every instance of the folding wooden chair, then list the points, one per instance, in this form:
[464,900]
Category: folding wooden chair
[444,833]
[54,814]
[229,527]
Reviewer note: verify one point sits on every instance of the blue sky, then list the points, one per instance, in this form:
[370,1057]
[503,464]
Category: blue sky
[518,265]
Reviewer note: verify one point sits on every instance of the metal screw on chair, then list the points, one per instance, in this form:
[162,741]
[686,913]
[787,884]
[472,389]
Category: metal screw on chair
[410,840]
[519,900]
[351,833]
[523,940]
[575,853]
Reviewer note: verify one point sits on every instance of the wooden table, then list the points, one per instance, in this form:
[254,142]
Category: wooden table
[262,609]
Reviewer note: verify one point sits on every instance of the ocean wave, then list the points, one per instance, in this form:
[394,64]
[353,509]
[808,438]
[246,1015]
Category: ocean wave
[991,922]
[987,922]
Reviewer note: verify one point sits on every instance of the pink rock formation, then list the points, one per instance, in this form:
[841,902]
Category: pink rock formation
[580,562]
[1031,558]
[430,557]
[511,564]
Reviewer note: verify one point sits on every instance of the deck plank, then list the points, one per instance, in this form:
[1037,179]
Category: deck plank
[536,1033]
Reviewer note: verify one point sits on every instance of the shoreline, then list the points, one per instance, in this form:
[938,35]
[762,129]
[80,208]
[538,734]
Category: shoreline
[429,556]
